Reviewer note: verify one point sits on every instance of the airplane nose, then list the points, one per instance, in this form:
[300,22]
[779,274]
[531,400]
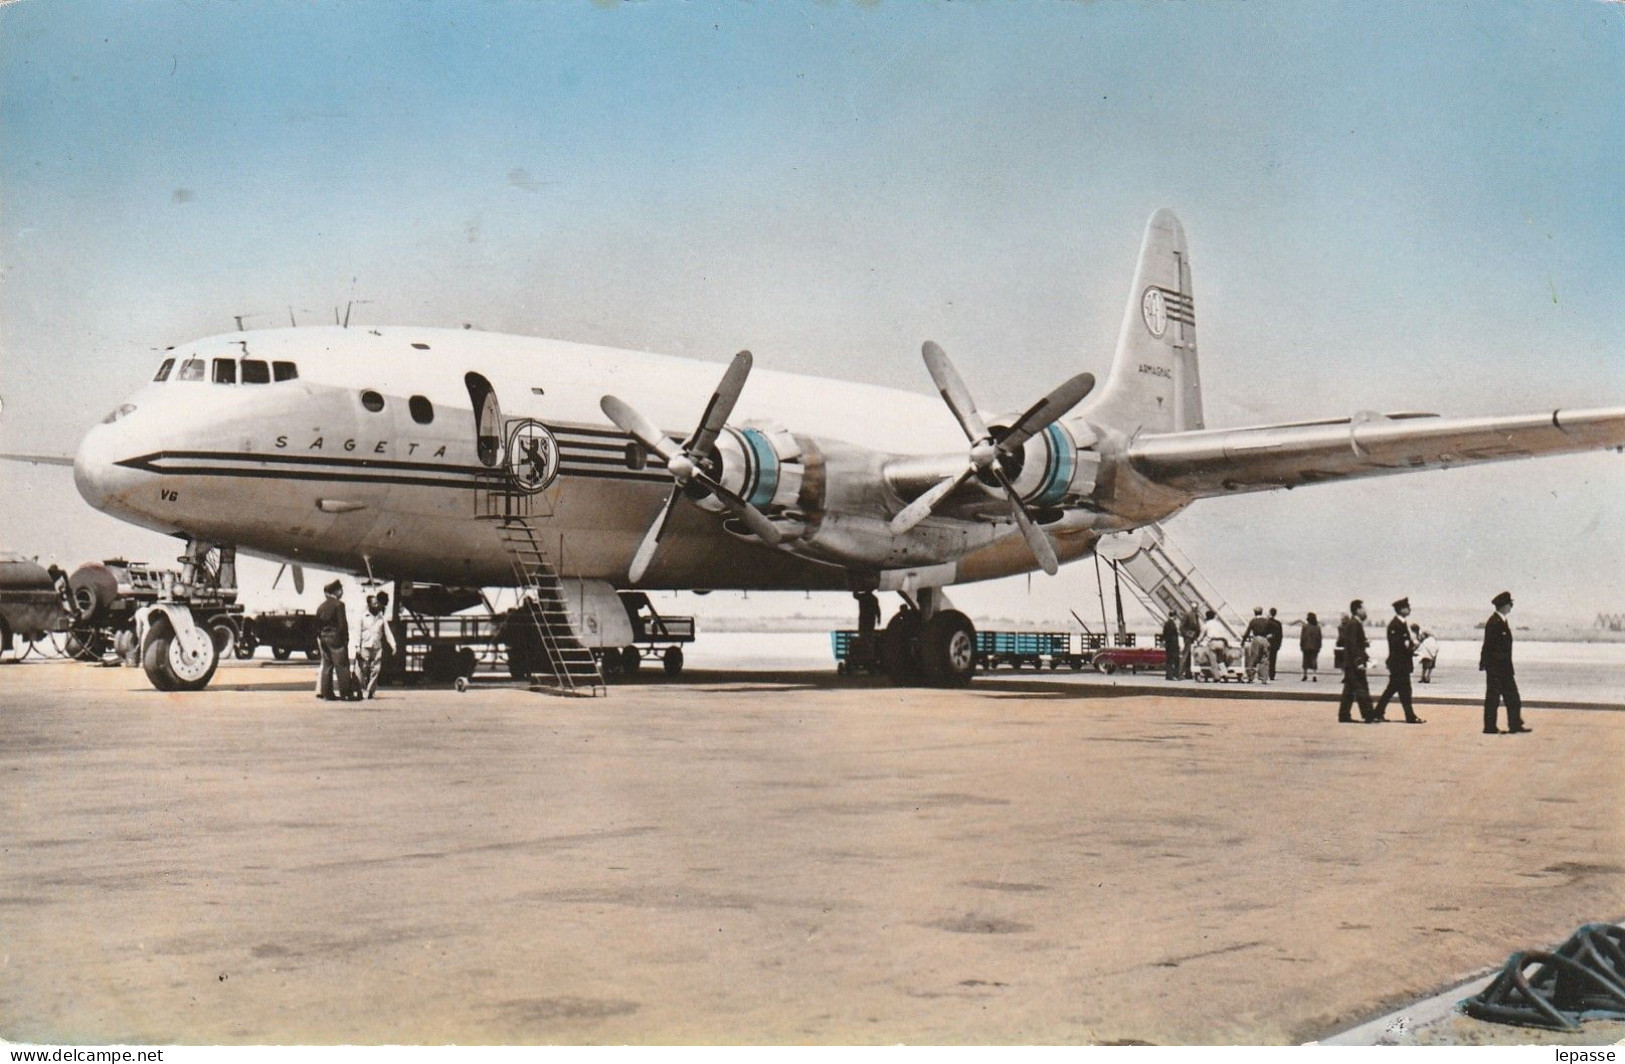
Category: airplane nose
[95,473]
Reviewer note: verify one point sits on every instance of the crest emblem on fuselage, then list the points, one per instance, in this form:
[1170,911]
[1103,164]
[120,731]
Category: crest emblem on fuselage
[1155,312]
[533,455]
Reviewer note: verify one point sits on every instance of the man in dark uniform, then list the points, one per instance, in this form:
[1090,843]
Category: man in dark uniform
[1495,662]
[1352,642]
[1276,635]
[1170,647]
[1401,655]
[333,639]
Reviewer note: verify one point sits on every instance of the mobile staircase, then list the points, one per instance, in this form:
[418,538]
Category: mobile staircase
[1162,578]
[557,661]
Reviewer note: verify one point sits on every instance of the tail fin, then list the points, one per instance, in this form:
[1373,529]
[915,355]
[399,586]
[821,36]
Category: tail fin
[1153,385]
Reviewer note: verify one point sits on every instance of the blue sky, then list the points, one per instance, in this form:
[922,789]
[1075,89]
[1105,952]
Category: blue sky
[1390,206]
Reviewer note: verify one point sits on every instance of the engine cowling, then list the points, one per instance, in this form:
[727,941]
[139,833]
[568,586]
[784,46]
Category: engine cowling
[1059,466]
[762,464]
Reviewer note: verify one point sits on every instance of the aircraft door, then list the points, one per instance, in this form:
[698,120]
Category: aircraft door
[487,420]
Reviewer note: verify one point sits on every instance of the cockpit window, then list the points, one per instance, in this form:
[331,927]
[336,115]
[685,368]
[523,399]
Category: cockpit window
[193,369]
[225,371]
[256,371]
[163,370]
[285,371]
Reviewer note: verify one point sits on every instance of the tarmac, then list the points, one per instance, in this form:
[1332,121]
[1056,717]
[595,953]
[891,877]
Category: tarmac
[775,857]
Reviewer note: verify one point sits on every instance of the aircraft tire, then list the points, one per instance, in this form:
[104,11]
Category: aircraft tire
[168,666]
[224,636]
[153,653]
[948,649]
[900,648]
[631,660]
[672,660]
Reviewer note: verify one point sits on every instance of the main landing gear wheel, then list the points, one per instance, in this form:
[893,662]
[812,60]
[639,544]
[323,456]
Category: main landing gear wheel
[900,648]
[948,649]
[173,665]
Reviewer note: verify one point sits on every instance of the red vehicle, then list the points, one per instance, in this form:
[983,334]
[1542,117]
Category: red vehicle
[1129,659]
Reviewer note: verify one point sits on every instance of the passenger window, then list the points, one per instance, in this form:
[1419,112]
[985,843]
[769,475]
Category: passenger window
[636,457]
[372,401]
[422,409]
[285,371]
[256,371]
[163,370]
[225,371]
[193,369]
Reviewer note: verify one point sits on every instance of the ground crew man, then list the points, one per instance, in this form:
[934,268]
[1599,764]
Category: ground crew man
[1170,647]
[1276,635]
[1401,654]
[1352,642]
[1495,661]
[333,640]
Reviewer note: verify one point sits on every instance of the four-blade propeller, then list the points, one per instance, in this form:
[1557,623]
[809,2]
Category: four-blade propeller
[686,462]
[989,449]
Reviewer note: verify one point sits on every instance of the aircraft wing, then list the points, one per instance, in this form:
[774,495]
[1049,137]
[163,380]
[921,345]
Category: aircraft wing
[39,459]
[1226,461]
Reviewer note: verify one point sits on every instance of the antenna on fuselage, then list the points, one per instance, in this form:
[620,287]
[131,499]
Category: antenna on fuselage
[239,319]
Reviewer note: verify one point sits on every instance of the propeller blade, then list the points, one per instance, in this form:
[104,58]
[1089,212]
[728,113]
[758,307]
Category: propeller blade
[721,405]
[1042,414]
[299,579]
[921,508]
[1037,539]
[754,519]
[640,427]
[954,392]
[651,538]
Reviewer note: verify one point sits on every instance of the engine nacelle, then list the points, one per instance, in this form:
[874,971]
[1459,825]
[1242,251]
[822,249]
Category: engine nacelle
[762,464]
[1059,465]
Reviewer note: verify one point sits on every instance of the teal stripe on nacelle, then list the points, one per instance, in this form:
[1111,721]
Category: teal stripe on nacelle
[767,468]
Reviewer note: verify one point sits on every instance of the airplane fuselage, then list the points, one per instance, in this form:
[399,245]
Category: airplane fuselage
[368,459]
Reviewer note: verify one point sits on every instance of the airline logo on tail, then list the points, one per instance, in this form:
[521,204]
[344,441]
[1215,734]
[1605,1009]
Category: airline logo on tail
[1159,306]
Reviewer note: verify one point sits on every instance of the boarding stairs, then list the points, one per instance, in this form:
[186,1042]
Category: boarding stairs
[1163,578]
[564,665]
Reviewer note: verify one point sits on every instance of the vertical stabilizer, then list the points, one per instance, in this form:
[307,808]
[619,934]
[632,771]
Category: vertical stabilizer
[1153,385]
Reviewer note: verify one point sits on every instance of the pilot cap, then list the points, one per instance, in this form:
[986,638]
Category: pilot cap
[335,586]
[1503,599]
[1402,604]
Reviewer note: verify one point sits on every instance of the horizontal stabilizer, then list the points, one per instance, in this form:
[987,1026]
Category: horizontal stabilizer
[39,459]
[1226,461]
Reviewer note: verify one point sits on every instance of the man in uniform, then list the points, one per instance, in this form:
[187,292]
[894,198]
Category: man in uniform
[1495,661]
[1170,647]
[1352,642]
[333,640]
[1276,635]
[1401,654]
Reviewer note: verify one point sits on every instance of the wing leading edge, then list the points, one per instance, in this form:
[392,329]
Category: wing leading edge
[1227,461]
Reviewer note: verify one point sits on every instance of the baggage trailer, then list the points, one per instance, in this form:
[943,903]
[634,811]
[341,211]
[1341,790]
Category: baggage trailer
[1015,649]
[284,631]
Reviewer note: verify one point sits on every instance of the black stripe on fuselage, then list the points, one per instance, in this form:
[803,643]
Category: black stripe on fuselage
[363,470]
